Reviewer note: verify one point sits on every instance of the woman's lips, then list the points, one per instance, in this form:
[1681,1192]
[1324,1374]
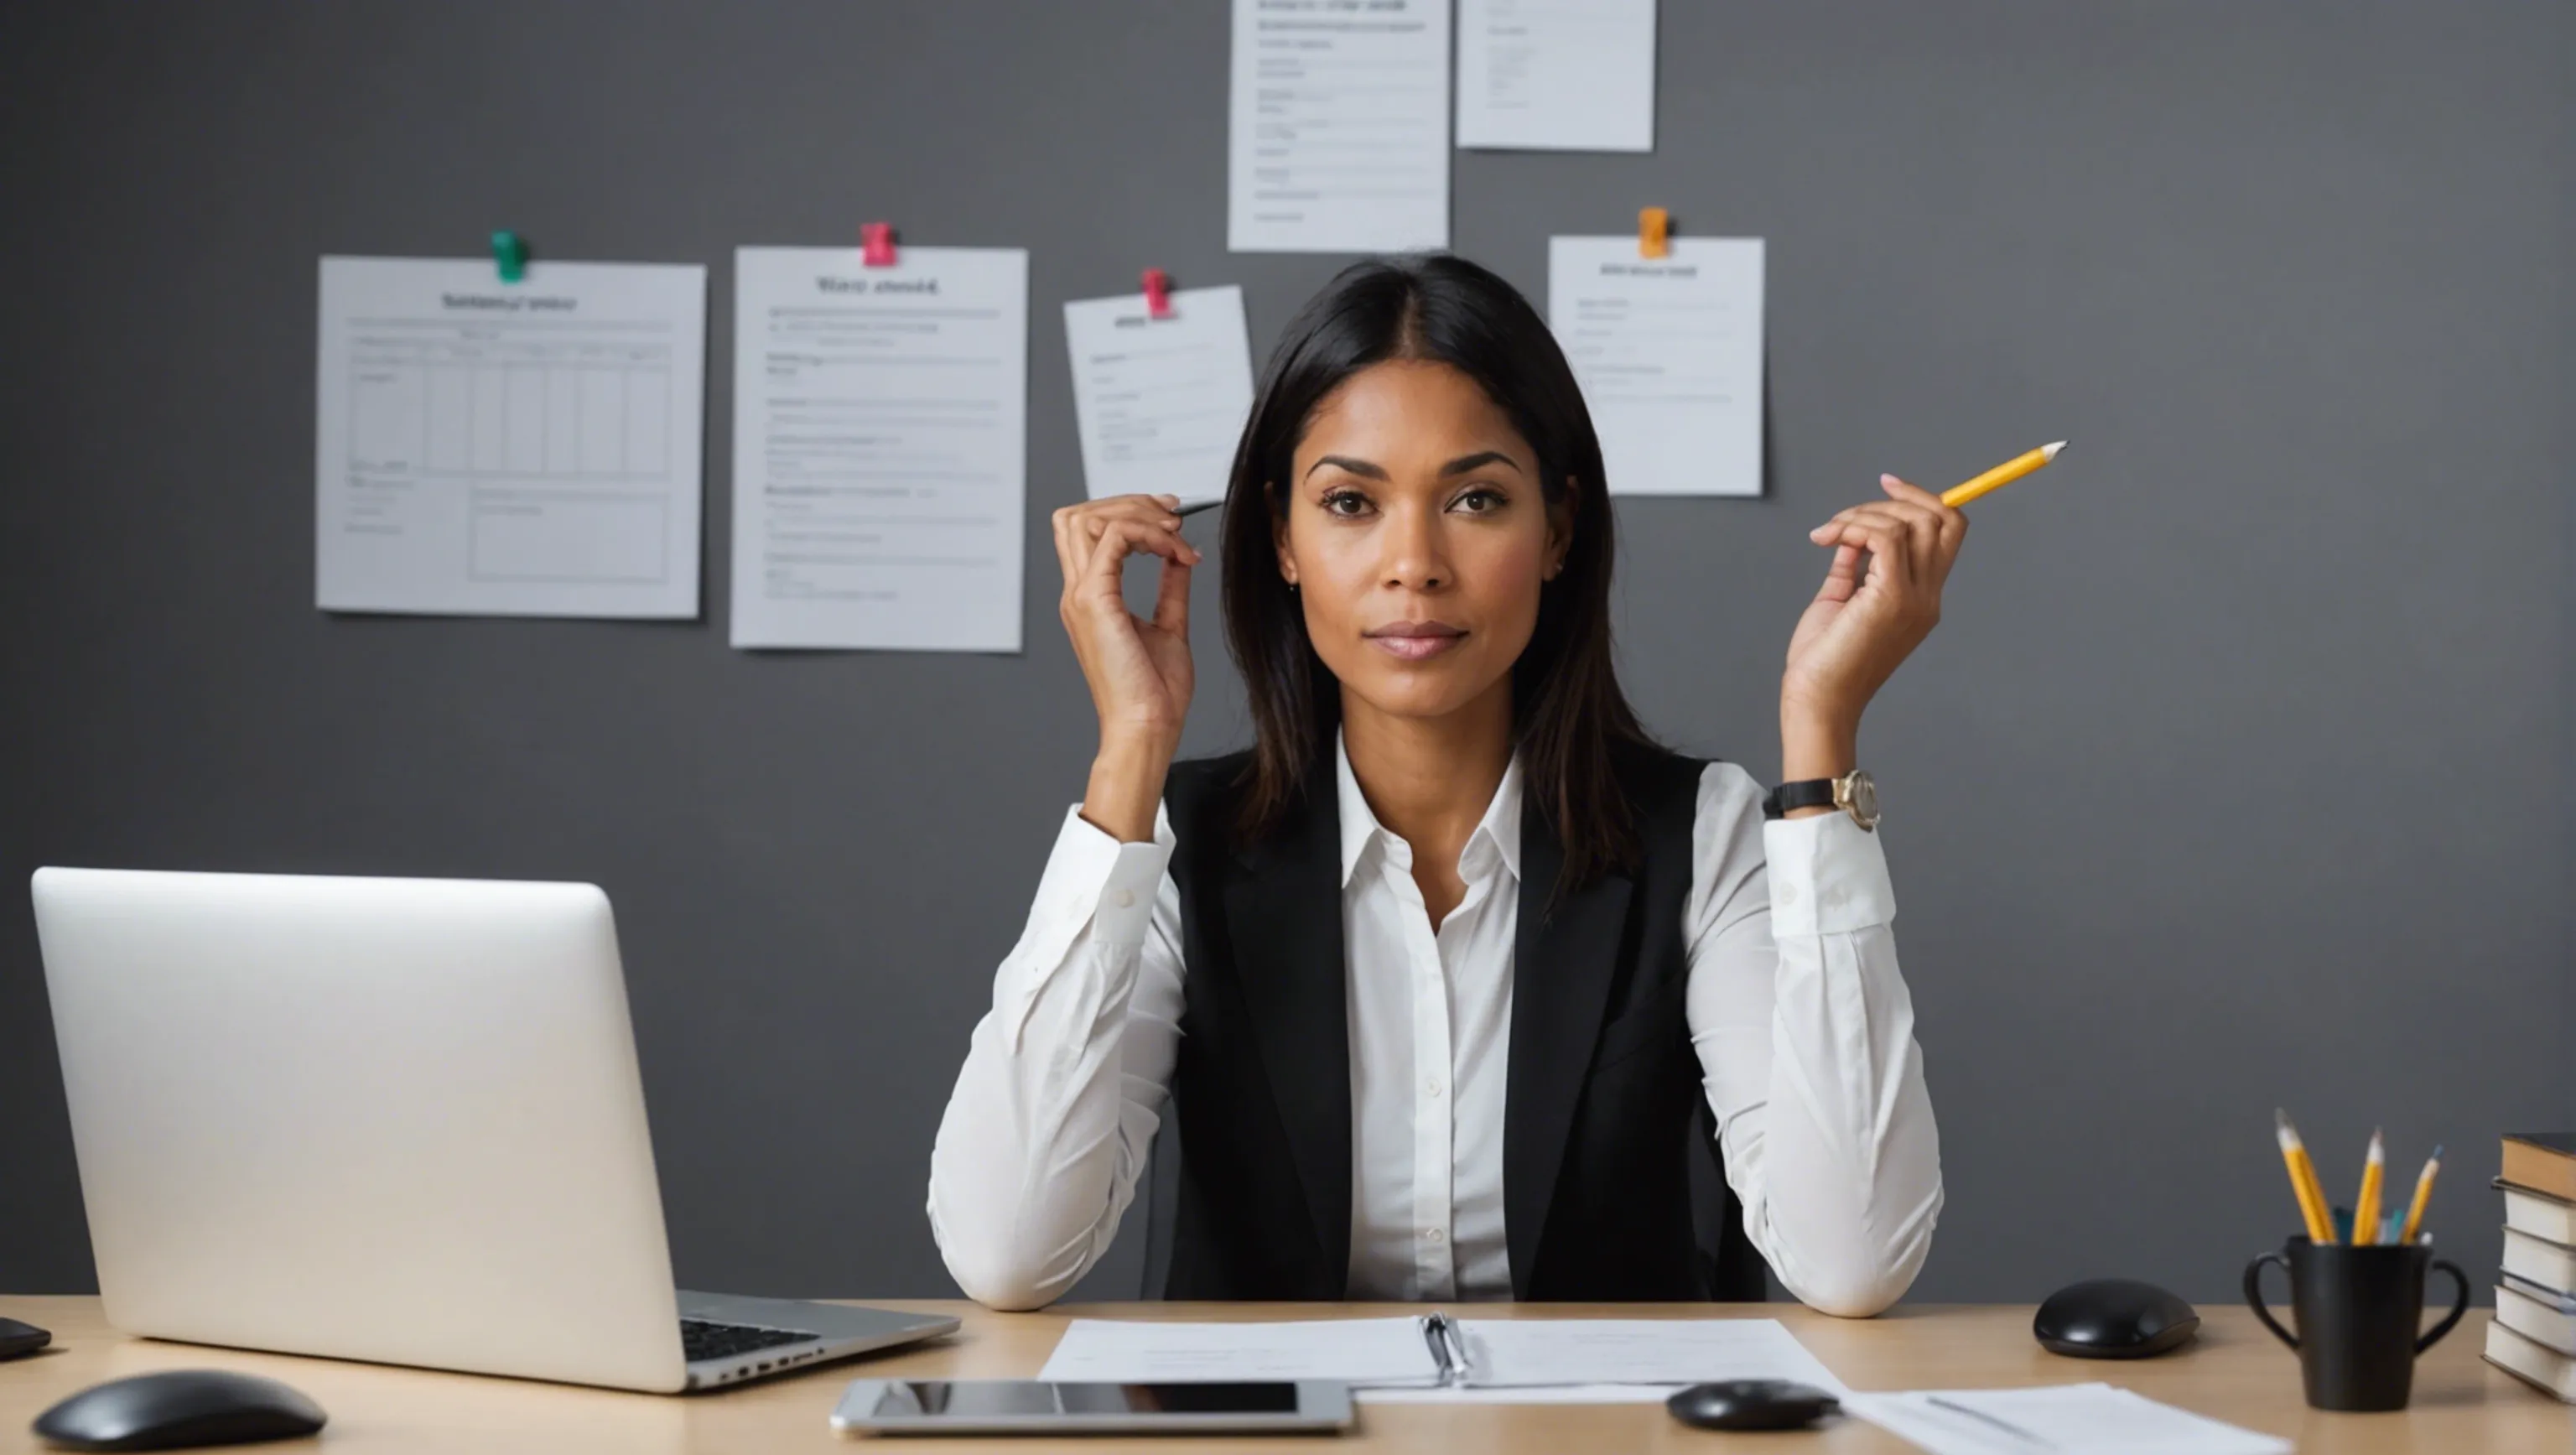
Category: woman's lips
[1414,641]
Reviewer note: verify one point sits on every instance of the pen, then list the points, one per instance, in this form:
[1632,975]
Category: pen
[2365,1209]
[2423,1195]
[2303,1180]
[2001,475]
[1196,506]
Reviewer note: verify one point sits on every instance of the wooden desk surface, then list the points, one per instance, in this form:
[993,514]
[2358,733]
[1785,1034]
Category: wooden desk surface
[2234,1371]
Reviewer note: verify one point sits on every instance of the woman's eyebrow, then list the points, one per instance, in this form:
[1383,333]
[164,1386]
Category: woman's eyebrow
[1478,461]
[1361,468]
[1458,466]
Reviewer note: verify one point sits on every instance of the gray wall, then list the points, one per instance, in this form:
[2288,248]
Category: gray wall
[2235,776]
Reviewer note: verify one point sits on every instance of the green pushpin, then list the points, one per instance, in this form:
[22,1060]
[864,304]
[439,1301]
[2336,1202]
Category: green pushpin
[510,255]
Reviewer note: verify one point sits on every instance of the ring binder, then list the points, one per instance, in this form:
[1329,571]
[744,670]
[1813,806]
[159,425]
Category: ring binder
[1448,1341]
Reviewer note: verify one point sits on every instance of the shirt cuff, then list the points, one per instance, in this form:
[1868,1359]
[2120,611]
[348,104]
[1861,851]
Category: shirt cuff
[1828,876]
[1127,876]
[1091,880]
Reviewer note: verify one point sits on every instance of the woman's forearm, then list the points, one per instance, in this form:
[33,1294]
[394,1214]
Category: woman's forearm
[1126,788]
[1057,1102]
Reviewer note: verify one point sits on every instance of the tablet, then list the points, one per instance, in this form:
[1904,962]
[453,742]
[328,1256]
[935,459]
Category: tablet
[1037,1407]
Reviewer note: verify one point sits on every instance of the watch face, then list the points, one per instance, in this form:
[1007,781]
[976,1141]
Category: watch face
[1862,797]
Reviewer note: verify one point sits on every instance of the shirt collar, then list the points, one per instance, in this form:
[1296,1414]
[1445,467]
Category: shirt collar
[1500,827]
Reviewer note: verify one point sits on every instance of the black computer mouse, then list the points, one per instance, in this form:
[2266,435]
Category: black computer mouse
[1751,1404]
[2114,1318]
[178,1409]
[17,1338]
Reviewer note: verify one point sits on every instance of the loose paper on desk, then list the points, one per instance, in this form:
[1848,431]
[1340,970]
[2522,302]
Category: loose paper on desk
[1557,75]
[1508,1360]
[2072,1418]
[1339,135]
[1669,353]
[879,448]
[1352,1351]
[1161,401]
[1637,1351]
[509,449]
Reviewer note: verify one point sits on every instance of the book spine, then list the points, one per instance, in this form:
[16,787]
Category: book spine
[2541,1323]
[2507,1184]
[2516,1355]
[2540,1161]
[2559,1299]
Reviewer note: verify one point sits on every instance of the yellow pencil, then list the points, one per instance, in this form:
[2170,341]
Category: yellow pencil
[2001,475]
[2423,1195]
[2303,1181]
[2365,1209]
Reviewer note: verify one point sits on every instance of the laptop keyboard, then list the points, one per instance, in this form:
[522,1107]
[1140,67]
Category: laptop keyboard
[704,1339]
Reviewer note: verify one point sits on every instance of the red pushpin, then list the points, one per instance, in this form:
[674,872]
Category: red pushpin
[1158,293]
[876,244]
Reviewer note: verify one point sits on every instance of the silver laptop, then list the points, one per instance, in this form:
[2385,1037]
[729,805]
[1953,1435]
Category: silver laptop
[385,1119]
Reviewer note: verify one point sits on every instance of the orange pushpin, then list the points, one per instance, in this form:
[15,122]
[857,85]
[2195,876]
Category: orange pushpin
[1651,226]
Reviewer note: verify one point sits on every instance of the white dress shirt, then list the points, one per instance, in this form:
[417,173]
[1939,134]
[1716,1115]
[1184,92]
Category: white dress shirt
[1803,1028]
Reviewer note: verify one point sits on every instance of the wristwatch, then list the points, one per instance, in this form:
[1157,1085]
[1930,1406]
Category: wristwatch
[1853,793]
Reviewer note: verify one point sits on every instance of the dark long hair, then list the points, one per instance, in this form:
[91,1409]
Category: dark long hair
[1568,714]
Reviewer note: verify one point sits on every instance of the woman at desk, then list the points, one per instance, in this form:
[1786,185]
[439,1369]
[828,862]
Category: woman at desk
[1439,975]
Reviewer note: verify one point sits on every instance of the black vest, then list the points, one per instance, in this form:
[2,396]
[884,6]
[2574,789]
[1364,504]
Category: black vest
[1603,1110]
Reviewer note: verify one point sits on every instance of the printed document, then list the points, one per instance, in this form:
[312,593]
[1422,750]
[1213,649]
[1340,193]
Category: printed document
[1352,1351]
[1161,401]
[1542,1361]
[509,449]
[879,448]
[1637,1351]
[1339,141]
[1669,353]
[2072,1418]
[1557,75]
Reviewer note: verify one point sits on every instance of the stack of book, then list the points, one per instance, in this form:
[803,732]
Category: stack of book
[2533,1336]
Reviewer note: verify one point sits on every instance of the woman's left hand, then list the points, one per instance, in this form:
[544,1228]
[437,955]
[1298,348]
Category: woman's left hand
[1862,625]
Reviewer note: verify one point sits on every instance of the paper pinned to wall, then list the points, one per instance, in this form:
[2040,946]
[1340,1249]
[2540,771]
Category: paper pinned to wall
[1669,353]
[879,448]
[1161,401]
[1339,136]
[509,449]
[1557,75]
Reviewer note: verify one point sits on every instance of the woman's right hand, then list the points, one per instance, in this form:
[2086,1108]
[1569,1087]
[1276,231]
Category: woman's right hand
[1138,669]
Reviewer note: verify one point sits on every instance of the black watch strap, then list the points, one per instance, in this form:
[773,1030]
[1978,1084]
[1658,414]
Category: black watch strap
[1805,793]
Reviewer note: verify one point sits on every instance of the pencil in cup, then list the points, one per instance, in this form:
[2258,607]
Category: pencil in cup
[2303,1180]
[2423,1194]
[2374,1182]
[2001,475]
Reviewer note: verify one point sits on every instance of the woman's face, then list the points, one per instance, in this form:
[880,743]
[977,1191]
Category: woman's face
[1417,535]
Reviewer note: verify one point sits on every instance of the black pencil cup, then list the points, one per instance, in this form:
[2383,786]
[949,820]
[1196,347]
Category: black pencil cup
[2358,1309]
